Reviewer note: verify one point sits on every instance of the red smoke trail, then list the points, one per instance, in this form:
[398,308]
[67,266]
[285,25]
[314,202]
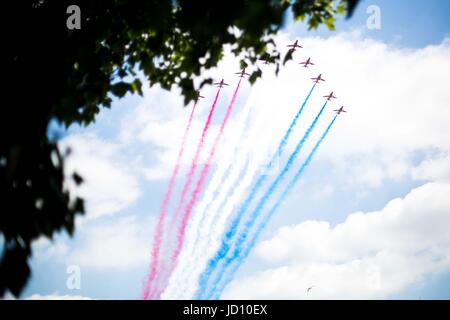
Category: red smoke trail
[200,183]
[153,272]
[163,209]
[194,163]
[203,175]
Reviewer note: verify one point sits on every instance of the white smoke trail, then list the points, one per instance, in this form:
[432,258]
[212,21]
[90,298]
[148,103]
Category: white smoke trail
[258,145]
[184,279]
[200,220]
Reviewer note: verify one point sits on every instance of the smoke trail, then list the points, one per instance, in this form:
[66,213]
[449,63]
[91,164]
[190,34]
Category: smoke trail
[217,228]
[279,151]
[260,205]
[244,207]
[206,211]
[164,206]
[155,262]
[204,174]
[240,255]
[198,187]
[194,163]
[239,181]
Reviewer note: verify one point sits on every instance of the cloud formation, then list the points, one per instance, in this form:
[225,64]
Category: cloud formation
[369,256]
[109,185]
[119,244]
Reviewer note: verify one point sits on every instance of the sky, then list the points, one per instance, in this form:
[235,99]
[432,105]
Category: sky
[368,219]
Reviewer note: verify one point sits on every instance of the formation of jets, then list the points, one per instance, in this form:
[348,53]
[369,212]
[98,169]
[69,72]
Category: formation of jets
[317,79]
[305,64]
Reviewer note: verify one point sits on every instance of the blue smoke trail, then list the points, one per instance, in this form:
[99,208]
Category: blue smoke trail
[232,230]
[240,256]
[221,255]
[251,220]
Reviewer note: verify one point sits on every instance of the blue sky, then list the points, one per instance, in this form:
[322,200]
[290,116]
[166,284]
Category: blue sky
[405,26]
[405,23]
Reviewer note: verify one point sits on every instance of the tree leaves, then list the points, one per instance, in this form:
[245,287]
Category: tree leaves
[120,89]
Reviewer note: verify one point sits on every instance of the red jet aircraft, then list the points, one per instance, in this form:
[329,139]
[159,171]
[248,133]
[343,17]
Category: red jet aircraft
[306,63]
[199,96]
[338,111]
[295,45]
[318,78]
[242,73]
[221,84]
[330,96]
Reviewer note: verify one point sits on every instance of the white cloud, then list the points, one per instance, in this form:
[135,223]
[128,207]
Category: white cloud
[321,192]
[53,296]
[434,169]
[109,185]
[43,248]
[159,122]
[56,296]
[119,244]
[369,255]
